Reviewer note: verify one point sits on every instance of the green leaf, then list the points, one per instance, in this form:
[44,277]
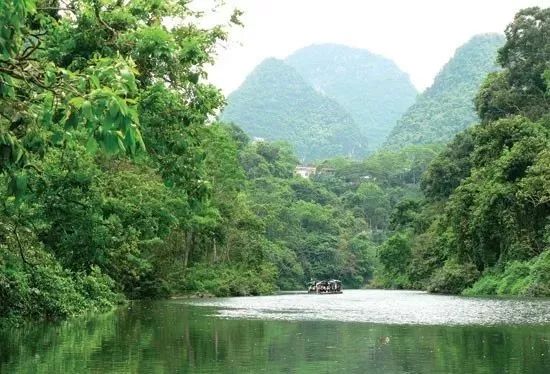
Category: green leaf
[140,140]
[87,110]
[94,80]
[121,145]
[110,142]
[114,109]
[50,77]
[76,102]
[134,116]
[17,186]
[18,154]
[122,106]
[91,145]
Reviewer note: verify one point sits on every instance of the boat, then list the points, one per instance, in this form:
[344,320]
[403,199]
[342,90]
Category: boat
[323,287]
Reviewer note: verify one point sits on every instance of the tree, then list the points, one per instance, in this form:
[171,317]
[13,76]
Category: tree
[83,84]
[520,88]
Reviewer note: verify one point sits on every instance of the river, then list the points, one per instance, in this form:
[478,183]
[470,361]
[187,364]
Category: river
[359,331]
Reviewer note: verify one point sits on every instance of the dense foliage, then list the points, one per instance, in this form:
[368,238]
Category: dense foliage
[329,225]
[276,103]
[370,87]
[115,183]
[115,186]
[84,85]
[447,107]
[483,227]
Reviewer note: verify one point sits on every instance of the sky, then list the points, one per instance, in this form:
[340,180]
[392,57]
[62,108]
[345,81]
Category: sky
[419,35]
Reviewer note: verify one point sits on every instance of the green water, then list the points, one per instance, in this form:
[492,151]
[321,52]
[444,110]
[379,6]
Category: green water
[285,334]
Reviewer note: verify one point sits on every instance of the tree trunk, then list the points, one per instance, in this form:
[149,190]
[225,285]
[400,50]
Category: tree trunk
[188,247]
[215,251]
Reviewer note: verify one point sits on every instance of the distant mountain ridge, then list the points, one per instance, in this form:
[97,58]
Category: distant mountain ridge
[276,103]
[370,87]
[332,100]
[447,107]
[326,100]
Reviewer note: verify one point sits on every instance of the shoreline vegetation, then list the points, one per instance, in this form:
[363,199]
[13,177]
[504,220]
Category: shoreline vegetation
[116,183]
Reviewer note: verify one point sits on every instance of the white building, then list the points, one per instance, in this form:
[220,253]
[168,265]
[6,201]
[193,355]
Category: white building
[305,171]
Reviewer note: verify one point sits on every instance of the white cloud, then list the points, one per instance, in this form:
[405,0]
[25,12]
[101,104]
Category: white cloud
[419,35]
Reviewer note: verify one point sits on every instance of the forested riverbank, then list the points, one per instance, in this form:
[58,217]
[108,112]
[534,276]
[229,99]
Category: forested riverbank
[118,183]
[483,226]
[108,188]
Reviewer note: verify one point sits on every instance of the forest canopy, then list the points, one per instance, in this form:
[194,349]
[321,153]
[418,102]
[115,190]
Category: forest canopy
[275,103]
[102,114]
[482,227]
[117,182]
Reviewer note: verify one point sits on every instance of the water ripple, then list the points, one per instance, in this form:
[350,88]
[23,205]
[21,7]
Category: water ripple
[382,306]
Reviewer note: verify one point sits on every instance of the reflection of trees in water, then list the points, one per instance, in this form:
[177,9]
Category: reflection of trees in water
[167,337]
[63,346]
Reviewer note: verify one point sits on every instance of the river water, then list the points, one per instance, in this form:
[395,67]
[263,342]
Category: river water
[359,331]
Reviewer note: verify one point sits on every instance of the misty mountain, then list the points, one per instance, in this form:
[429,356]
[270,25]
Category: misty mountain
[447,107]
[370,87]
[276,103]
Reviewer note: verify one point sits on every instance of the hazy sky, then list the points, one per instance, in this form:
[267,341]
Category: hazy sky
[419,35]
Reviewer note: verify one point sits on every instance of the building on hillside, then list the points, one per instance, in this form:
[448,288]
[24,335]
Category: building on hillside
[305,171]
[326,171]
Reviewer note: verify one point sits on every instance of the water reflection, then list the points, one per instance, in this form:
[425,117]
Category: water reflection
[386,307]
[171,337]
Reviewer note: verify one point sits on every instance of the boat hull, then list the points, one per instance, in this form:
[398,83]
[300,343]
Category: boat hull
[324,293]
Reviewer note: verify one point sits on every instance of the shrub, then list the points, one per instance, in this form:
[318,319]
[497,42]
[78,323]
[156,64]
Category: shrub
[529,278]
[453,277]
[227,280]
[539,284]
[47,291]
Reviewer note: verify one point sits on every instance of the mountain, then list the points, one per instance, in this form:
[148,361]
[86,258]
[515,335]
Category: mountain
[370,87]
[276,103]
[447,107]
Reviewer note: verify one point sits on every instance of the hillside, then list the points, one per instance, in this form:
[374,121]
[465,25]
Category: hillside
[276,103]
[370,87]
[447,107]
[483,225]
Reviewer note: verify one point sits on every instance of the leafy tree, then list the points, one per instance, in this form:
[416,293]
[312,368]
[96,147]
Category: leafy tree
[521,87]
[394,257]
[82,84]
[486,194]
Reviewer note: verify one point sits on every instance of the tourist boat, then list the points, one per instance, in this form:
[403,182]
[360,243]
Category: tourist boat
[325,287]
